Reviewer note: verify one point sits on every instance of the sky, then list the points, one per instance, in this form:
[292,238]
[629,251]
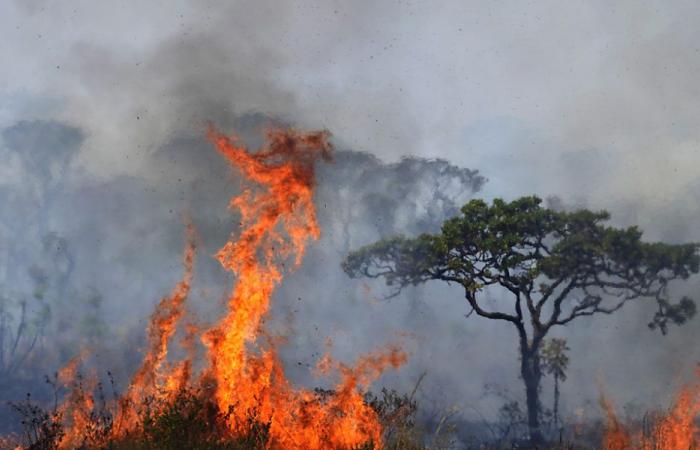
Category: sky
[595,102]
[585,99]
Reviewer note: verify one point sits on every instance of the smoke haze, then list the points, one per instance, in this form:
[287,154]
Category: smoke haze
[103,107]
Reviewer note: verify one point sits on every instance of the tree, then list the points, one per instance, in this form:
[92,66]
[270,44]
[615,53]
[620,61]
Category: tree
[18,336]
[553,266]
[555,362]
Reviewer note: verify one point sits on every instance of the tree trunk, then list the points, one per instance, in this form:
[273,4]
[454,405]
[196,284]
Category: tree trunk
[556,401]
[532,374]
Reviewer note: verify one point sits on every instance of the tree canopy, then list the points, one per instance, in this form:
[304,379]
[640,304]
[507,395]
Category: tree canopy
[543,257]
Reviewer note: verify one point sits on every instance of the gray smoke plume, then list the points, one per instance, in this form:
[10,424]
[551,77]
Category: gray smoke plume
[103,108]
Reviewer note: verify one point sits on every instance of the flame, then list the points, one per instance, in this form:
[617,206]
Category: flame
[278,218]
[77,406]
[244,375]
[616,436]
[673,430]
[154,379]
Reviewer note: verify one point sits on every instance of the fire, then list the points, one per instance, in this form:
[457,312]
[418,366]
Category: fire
[243,374]
[676,429]
[278,218]
[77,406]
[155,378]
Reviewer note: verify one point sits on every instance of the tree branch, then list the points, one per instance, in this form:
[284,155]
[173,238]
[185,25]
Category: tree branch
[471,298]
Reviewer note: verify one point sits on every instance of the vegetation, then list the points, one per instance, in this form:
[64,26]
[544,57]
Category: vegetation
[20,330]
[555,361]
[555,267]
[190,420]
[186,421]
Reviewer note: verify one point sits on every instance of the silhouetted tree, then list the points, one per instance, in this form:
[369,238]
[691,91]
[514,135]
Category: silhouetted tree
[19,332]
[557,266]
[555,362]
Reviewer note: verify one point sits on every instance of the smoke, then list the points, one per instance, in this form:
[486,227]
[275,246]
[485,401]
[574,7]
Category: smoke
[120,240]
[103,108]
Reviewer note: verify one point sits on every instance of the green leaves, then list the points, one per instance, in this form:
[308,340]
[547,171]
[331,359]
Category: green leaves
[677,313]
[399,260]
[553,354]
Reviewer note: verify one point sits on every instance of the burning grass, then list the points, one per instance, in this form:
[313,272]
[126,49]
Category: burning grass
[235,395]
[188,419]
[674,429]
[240,398]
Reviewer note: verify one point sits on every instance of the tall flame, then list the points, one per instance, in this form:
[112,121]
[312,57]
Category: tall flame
[278,218]
[244,375]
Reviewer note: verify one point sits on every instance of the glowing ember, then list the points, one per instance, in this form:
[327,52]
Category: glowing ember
[244,375]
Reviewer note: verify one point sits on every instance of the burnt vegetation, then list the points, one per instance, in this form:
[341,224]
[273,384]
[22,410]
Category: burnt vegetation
[191,419]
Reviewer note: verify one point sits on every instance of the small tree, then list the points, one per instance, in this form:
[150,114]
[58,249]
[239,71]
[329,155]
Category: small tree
[19,332]
[555,361]
[555,266]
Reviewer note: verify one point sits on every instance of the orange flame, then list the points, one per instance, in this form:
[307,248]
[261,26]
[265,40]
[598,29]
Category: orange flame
[674,430]
[278,219]
[244,375]
[77,406]
[154,378]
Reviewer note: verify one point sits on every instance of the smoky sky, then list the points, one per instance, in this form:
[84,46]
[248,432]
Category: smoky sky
[104,104]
